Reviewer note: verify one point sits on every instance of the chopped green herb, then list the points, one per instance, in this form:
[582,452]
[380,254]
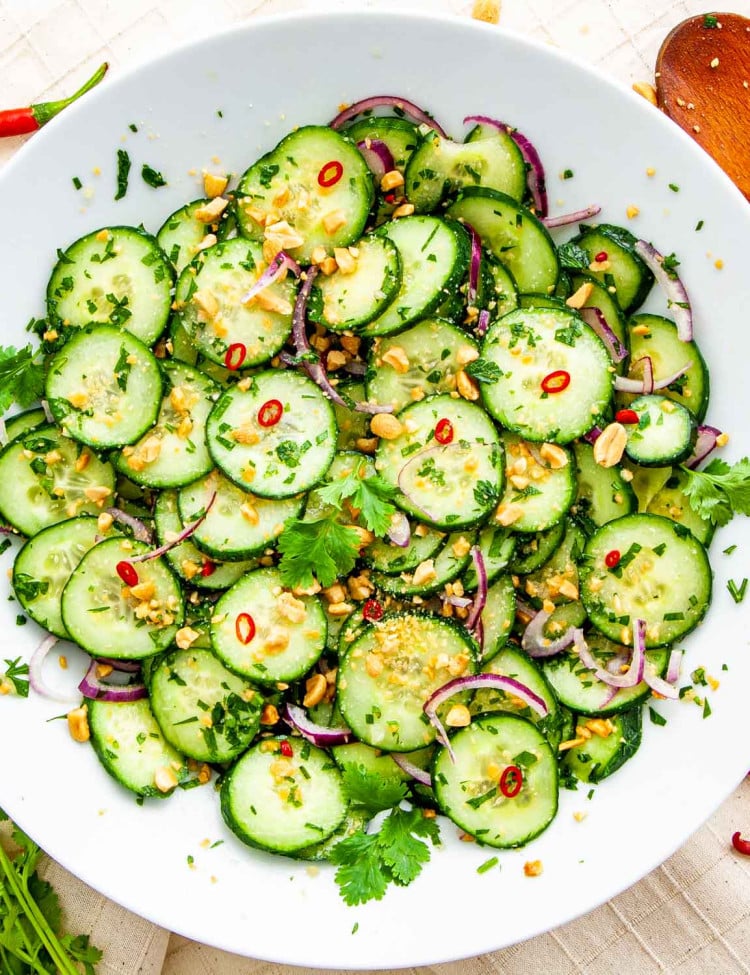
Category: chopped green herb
[729,550]
[656,718]
[77,183]
[123,172]
[737,592]
[488,865]
[710,21]
[706,709]
[567,174]
[699,225]
[152,177]
[674,187]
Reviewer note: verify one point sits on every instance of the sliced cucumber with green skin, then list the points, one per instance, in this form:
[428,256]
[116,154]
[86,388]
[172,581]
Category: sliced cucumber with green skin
[533,550]
[559,382]
[104,387]
[390,671]
[512,234]
[603,493]
[106,618]
[672,502]
[541,485]
[446,566]
[656,337]
[356,820]
[664,434]
[380,764]
[401,137]
[182,233]
[545,582]
[52,484]
[598,756]
[353,626]
[647,482]
[19,424]
[451,485]
[602,299]
[541,301]
[510,662]
[623,270]
[129,744]
[352,425]
[238,525]
[440,167]
[317,182]
[498,615]
[211,310]
[577,687]
[468,790]
[434,259]
[204,710]
[174,452]
[499,288]
[186,559]
[118,276]
[44,565]
[424,543]
[277,438]
[285,635]
[497,546]
[419,362]
[353,296]
[283,803]
[663,577]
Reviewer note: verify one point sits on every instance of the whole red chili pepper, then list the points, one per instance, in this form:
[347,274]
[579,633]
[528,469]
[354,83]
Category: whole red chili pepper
[20,121]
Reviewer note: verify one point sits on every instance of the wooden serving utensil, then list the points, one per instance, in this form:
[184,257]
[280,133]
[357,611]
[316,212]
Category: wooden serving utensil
[703,84]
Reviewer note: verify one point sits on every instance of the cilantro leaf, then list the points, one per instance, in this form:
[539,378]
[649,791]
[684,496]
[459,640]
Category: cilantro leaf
[373,792]
[402,852]
[370,494]
[21,377]
[323,549]
[572,256]
[17,674]
[719,491]
[484,371]
[360,876]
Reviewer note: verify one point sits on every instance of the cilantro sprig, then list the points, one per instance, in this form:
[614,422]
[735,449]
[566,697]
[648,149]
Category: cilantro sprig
[321,549]
[21,376]
[17,675]
[719,491]
[31,938]
[368,493]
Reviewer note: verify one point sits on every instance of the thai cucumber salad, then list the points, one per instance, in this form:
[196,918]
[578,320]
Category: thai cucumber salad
[363,492]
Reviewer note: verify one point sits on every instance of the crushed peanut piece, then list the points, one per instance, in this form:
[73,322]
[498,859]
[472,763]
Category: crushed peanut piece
[186,637]
[645,90]
[533,868]
[397,358]
[214,185]
[632,212]
[391,180]
[78,724]
[210,212]
[386,425]
[610,445]
[487,11]
[459,716]
[315,688]
[165,779]
[579,298]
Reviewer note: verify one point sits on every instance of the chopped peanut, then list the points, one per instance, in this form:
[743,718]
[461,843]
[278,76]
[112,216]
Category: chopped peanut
[373,665]
[104,522]
[165,779]
[459,716]
[555,456]
[78,724]
[207,302]
[334,221]
[79,399]
[460,548]
[97,493]
[249,513]
[315,687]
[290,608]
[467,387]
[487,11]
[340,609]
[424,573]
[405,210]
[335,593]
[269,715]
[210,212]
[533,868]
[214,185]
[386,425]
[397,358]
[579,298]
[391,180]
[610,445]
[347,264]
[186,637]
[466,354]
[335,360]
[277,640]
[508,514]
[645,90]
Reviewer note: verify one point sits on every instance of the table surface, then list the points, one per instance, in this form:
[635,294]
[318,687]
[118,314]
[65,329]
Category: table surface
[692,914]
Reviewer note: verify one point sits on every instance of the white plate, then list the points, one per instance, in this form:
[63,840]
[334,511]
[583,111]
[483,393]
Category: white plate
[265,79]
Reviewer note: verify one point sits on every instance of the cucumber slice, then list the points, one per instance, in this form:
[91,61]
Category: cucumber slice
[603,299]
[283,803]
[182,233]
[118,276]
[316,182]
[204,710]
[555,374]
[424,543]
[512,234]
[416,363]
[431,574]
[354,295]
[352,425]
[601,755]
[663,577]
[19,424]
[603,493]
[468,790]
[356,820]
[499,292]
[59,480]
[497,546]
[664,434]
[401,137]
[439,168]
[129,744]
[285,635]
[557,581]
[391,669]
[109,619]
[278,436]
[211,310]
[104,387]
[376,762]
[540,485]
[532,551]
[451,485]
[174,452]
[621,271]
[672,502]
[498,615]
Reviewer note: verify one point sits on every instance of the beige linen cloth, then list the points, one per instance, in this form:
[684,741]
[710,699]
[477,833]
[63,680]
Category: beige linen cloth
[690,916]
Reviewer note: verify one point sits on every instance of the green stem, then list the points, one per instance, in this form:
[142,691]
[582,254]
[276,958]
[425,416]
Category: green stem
[44,111]
[46,935]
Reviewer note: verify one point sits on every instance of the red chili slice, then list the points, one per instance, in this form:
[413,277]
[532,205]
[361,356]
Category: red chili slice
[372,611]
[511,781]
[740,845]
[601,256]
[626,416]
[286,749]
[270,413]
[556,382]
[444,431]
[612,559]
[330,173]
[127,573]
[235,356]
[244,627]
[208,569]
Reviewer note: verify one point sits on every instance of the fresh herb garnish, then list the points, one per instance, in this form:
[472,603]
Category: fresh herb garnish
[656,718]
[321,549]
[484,371]
[737,592]
[21,376]
[719,491]
[123,172]
[17,674]
[152,177]
[370,494]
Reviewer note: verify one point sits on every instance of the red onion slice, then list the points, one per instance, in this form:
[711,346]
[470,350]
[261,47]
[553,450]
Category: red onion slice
[140,532]
[418,774]
[595,319]
[412,111]
[480,600]
[567,218]
[704,445]
[677,297]
[36,679]
[377,156]
[660,686]
[459,601]
[47,412]
[537,645]
[634,673]
[535,178]
[475,264]
[280,263]
[611,694]
[399,531]
[316,734]
[96,690]
[184,534]
[674,665]
[483,322]
[593,435]
[627,385]
[126,666]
